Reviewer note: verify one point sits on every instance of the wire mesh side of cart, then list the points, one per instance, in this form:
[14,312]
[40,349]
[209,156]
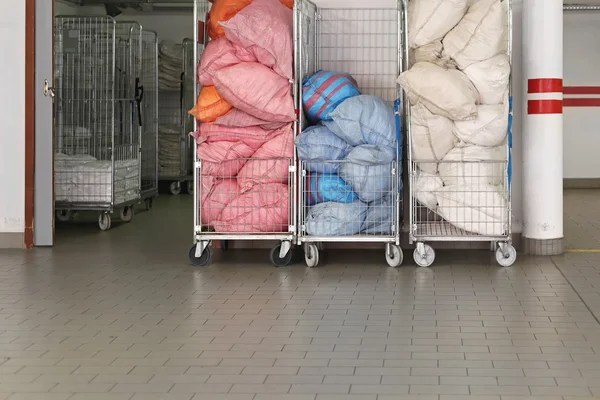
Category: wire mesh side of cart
[366,43]
[149,140]
[458,198]
[172,147]
[93,169]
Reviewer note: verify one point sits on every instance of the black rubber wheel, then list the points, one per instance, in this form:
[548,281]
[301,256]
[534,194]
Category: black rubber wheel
[148,204]
[203,260]
[280,262]
[224,245]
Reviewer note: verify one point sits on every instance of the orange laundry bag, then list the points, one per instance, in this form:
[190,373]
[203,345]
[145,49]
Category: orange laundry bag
[210,105]
[223,10]
[288,3]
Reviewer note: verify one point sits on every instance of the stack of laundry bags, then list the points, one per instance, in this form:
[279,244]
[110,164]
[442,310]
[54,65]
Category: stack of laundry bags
[458,88]
[245,112]
[348,153]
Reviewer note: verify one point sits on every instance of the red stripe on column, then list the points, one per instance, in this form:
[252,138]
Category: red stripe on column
[544,85]
[581,102]
[581,90]
[544,107]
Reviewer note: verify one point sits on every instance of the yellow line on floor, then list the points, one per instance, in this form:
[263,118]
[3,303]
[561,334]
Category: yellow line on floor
[583,251]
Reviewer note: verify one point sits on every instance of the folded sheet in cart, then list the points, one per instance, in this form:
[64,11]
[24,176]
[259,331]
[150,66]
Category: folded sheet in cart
[480,209]
[335,219]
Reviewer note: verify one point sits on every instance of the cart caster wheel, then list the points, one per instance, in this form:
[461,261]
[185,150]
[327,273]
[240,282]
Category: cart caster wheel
[506,258]
[395,256]
[311,255]
[276,260]
[426,258]
[190,187]
[148,204]
[201,261]
[175,188]
[104,221]
[224,245]
[64,215]
[126,214]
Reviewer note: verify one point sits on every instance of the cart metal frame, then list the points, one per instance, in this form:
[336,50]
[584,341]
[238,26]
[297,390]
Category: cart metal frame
[97,121]
[426,226]
[367,43]
[204,235]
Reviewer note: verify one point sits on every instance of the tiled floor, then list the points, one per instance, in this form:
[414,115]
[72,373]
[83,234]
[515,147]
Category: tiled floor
[120,315]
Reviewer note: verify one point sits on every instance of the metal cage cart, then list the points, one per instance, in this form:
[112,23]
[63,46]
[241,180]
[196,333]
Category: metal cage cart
[367,44]
[188,99]
[272,221]
[97,119]
[149,139]
[174,151]
[472,203]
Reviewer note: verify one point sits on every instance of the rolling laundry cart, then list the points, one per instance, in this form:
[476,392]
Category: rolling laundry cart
[367,44]
[262,211]
[466,195]
[97,117]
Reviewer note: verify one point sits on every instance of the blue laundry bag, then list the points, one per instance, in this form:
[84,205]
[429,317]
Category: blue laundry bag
[324,91]
[318,143]
[328,187]
[368,169]
[379,218]
[365,119]
[335,219]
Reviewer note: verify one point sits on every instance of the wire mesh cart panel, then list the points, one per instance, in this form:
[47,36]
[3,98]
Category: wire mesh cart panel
[242,199]
[97,160]
[174,150]
[351,199]
[463,194]
[149,139]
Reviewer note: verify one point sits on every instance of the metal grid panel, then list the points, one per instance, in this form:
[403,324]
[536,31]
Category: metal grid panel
[462,200]
[366,44]
[97,160]
[149,139]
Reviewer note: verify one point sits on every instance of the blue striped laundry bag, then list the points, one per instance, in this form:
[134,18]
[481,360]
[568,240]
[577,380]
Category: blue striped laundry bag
[324,91]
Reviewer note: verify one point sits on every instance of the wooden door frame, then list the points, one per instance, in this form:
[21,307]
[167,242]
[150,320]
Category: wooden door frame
[29,120]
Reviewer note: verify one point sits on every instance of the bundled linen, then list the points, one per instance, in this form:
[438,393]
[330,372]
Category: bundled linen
[169,150]
[349,156]
[458,88]
[324,91]
[336,219]
[245,142]
[321,188]
[84,179]
[170,65]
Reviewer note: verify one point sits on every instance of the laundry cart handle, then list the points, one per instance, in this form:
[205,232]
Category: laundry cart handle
[397,104]
[139,97]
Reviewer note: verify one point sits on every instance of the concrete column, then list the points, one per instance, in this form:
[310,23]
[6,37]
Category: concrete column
[543,127]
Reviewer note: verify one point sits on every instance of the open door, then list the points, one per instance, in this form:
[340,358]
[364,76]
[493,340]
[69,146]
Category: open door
[43,220]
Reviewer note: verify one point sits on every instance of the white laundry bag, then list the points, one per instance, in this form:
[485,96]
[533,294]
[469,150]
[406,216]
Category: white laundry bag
[431,137]
[426,186]
[473,166]
[490,78]
[489,129]
[429,20]
[479,35]
[444,92]
[432,53]
[481,210]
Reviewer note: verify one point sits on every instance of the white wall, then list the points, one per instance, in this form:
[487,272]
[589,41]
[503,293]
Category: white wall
[12,117]
[582,68]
